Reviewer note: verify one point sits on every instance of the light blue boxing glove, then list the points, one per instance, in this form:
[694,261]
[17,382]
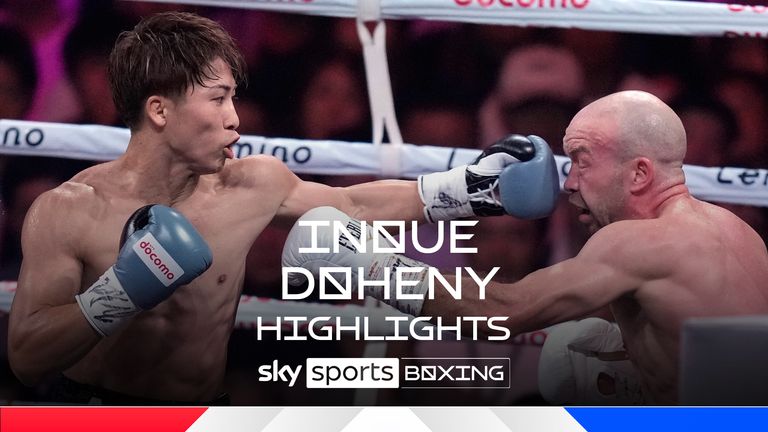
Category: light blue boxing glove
[476,189]
[529,190]
[160,250]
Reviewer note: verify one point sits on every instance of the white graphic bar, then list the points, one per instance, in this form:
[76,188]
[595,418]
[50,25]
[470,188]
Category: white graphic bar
[352,419]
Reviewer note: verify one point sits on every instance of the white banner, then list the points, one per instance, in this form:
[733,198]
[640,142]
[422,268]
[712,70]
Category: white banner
[728,185]
[639,16]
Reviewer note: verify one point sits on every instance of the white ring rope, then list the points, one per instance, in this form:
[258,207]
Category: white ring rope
[638,16]
[17,137]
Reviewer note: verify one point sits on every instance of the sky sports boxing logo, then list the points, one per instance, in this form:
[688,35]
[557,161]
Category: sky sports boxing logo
[405,373]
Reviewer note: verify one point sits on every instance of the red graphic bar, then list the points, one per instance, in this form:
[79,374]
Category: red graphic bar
[97,419]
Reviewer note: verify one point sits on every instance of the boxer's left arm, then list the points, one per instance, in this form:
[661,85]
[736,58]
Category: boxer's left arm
[376,200]
[516,175]
[383,199]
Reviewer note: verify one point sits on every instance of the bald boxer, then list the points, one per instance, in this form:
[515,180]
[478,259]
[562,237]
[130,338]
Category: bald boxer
[140,312]
[657,255]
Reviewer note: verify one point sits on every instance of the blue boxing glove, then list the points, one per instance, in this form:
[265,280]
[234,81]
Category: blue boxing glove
[529,190]
[475,189]
[160,250]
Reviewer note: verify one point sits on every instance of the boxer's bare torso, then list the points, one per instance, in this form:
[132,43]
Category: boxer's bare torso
[176,351]
[695,260]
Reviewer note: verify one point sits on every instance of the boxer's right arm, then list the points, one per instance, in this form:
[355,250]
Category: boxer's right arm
[160,250]
[47,331]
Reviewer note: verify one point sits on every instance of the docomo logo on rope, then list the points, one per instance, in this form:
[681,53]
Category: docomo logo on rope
[754,8]
[283,1]
[757,9]
[157,259]
[538,4]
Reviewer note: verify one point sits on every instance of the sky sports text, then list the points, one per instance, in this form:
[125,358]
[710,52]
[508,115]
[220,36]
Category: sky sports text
[407,373]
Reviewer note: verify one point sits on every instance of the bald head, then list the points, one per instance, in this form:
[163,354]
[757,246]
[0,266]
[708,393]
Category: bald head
[637,124]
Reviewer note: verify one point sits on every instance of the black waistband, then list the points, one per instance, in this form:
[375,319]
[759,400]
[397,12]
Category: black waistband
[65,390]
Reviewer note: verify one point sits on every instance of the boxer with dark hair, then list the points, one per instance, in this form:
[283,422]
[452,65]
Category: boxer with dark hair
[141,312]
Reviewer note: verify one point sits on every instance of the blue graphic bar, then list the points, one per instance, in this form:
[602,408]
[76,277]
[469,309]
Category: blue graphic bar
[643,419]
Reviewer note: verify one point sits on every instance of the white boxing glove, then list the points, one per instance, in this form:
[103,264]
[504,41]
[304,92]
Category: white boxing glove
[375,266]
[585,363]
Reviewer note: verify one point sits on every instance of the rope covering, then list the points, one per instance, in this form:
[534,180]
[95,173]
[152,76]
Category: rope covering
[635,16]
[17,137]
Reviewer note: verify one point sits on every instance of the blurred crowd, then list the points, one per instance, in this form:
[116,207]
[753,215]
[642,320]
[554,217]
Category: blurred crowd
[456,85]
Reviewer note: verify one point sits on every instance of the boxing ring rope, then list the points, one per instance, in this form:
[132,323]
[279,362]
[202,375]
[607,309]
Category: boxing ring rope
[637,16]
[718,184]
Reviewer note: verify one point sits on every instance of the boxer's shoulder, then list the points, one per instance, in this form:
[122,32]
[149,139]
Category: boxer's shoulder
[70,196]
[256,173]
[59,220]
[95,185]
[642,248]
[73,205]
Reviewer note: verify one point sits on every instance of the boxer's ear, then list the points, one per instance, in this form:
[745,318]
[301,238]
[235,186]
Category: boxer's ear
[642,174]
[155,107]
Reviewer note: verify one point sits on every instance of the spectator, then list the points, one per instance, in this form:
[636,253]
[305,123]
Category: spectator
[23,180]
[446,124]
[86,51]
[710,127]
[664,66]
[18,78]
[334,104]
[547,76]
[746,96]
[46,24]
